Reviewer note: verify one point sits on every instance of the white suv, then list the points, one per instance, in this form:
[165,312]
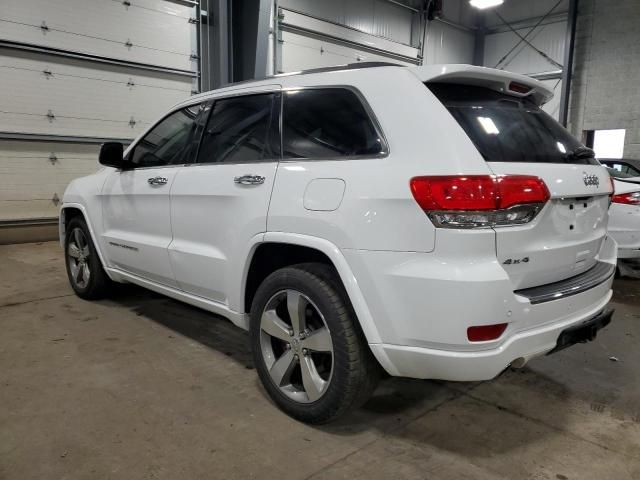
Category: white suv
[431,221]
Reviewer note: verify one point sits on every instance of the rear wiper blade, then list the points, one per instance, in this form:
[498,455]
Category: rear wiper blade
[580,152]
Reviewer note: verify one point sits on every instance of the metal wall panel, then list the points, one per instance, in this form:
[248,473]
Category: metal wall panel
[548,38]
[375,17]
[517,10]
[307,42]
[301,52]
[553,106]
[447,44]
[148,31]
[391,21]
[85,99]
[30,181]
[459,11]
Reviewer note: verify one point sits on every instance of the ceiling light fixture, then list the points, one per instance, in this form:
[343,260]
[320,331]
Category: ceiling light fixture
[484,4]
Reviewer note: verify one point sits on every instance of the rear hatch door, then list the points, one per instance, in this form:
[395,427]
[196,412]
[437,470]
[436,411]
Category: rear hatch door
[516,137]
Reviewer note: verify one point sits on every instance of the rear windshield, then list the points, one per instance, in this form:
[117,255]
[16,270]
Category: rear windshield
[510,129]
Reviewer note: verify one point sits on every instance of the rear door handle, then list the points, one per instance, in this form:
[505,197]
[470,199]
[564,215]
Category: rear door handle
[157,180]
[249,180]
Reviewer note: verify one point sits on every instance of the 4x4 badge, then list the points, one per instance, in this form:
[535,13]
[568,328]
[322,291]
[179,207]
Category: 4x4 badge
[515,261]
[590,179]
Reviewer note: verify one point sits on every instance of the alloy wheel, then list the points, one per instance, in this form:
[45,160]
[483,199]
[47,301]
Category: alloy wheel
[78,255]
[296,346]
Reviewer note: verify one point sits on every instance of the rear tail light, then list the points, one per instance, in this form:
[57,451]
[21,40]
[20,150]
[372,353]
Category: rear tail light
[627,198]
[486,333]
[480,201]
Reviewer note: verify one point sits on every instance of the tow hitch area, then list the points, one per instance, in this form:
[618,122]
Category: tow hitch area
[584,332]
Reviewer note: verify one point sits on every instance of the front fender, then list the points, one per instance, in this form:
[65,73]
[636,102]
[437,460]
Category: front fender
[92,232]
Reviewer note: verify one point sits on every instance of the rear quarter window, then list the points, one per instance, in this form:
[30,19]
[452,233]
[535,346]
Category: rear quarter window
[505,128]
[327,123]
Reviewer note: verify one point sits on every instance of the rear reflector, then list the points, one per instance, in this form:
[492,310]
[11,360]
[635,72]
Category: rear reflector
[472,201]
[485,333]
[627,198]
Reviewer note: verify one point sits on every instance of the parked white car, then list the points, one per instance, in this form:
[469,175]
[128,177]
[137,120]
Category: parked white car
[627,167]
[624,221]
[431,221]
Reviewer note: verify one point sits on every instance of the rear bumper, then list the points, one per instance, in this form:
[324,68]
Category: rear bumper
[418,362]
[422,306]
[600,273]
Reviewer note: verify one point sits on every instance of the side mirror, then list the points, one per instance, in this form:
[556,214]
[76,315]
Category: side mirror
[111,154]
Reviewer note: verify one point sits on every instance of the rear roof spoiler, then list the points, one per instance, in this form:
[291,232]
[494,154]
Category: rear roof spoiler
[506,82]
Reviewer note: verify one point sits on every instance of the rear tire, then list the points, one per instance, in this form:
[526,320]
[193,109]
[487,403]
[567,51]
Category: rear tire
[314,362]
[84,269]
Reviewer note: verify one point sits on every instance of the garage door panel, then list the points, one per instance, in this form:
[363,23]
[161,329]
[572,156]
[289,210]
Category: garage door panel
[16,149]
[83,127]
[36,191]
[61,96]
[29,180]
[84,101]
[66,67]
[300,52]
[29,171]
[34,208]
[160,34]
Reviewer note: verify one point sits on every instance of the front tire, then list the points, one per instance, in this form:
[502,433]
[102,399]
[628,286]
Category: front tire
[308,349]
[84,269]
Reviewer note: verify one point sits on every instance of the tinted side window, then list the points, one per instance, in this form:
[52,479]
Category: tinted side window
[626,168]
[167,143]
[326,123]
[191,149]
[242,129]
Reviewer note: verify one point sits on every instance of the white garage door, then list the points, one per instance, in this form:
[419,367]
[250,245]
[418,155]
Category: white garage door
[133,61]
[302,52]
[309,42]
[60,96]
[146,31]
[33,175]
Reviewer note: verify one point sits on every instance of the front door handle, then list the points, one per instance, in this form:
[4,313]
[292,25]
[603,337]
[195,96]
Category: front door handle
[157,181]
[249,180]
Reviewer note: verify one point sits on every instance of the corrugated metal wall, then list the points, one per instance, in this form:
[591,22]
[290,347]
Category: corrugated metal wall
[549,37]
[447,44]
[346,31]
[375,17]
[517,10]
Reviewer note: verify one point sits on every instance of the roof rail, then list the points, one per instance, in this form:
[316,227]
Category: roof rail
[337,68]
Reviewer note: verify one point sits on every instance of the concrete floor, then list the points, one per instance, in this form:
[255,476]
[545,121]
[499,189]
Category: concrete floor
[144,387]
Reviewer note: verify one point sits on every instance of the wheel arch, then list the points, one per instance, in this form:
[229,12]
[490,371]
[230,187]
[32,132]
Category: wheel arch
[318,250]
[73,210]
